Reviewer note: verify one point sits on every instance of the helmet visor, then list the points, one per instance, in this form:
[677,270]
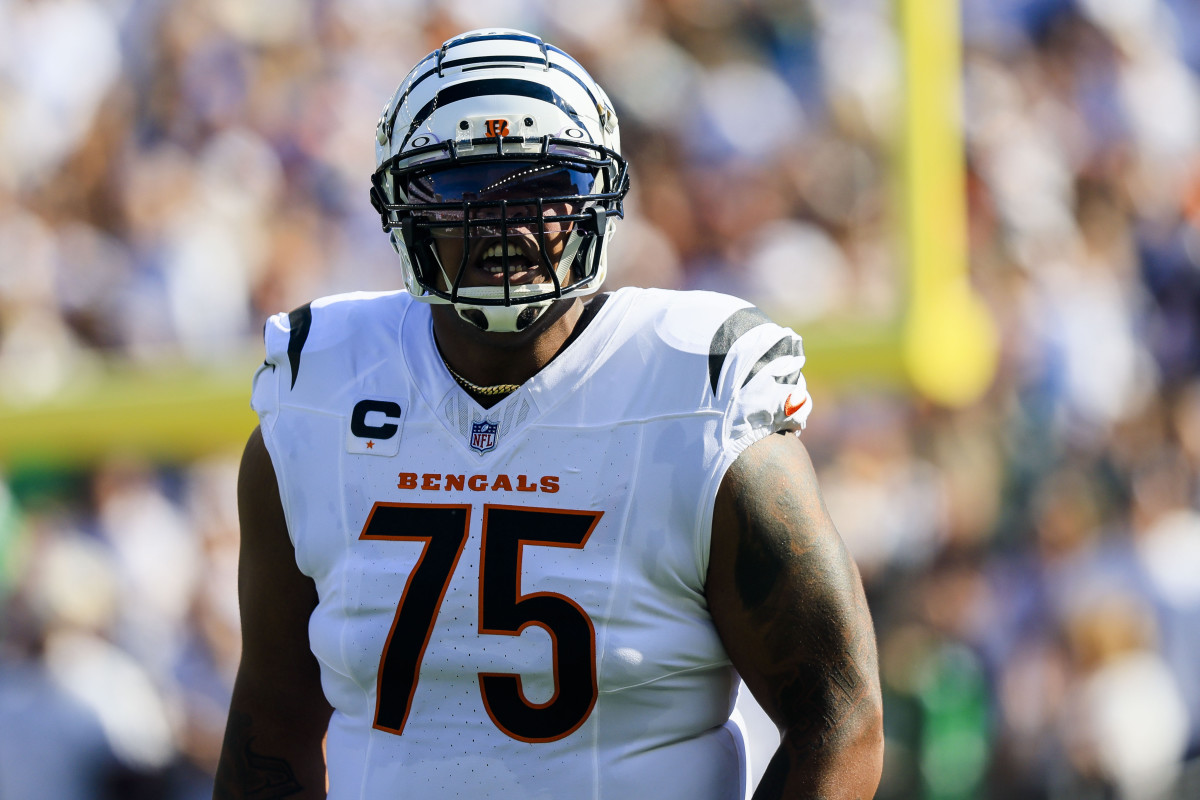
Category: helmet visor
[494,181]
[528,198]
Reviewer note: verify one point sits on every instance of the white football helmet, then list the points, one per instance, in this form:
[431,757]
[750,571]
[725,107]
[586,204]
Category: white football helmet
[506,145]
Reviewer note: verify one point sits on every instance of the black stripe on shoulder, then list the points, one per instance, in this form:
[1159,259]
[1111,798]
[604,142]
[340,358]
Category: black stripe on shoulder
[791,379]
[300,321]
[787,346]
[731,330]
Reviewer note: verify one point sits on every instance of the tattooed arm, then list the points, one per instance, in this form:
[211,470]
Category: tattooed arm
[278,714]
[788,603]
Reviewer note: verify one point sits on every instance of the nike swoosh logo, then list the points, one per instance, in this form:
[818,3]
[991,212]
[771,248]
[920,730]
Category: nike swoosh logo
[789,409]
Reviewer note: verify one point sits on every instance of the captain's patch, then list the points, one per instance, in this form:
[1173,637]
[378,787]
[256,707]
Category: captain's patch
[374,428]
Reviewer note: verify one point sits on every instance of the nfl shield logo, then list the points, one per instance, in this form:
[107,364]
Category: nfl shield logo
[483,435]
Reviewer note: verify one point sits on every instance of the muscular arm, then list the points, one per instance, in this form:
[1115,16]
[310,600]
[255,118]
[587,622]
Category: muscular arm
[278,714]
[788,603]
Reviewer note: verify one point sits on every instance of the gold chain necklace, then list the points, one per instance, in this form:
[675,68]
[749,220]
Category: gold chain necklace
[486,391]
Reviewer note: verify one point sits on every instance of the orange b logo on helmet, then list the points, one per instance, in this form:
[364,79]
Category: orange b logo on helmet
[496,127]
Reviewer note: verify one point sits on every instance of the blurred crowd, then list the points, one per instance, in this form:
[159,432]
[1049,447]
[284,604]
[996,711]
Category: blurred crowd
[174,171]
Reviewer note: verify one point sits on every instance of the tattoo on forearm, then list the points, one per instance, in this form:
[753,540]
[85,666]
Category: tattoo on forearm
[827,647]
[273,777]
[247,775]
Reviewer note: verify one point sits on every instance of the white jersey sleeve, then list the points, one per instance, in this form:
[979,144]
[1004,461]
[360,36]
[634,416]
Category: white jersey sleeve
[732,361]
[755,367]
[333,359]
[275,372]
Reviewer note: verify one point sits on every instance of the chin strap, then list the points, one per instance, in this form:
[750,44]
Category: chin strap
[502,319]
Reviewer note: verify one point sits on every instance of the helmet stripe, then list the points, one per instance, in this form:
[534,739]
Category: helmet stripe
[567,56]
[507,37]
[499,61]
[586,88]
[579,78]
[492,86]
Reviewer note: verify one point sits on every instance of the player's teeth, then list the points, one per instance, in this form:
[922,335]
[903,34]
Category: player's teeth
[495,251]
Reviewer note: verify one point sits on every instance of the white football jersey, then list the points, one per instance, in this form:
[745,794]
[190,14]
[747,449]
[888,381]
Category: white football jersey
[512,599]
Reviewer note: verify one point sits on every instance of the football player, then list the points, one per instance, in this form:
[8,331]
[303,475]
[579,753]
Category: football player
[506,536]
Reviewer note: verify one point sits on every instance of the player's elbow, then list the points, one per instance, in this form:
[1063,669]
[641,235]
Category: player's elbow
[862,748]
[845,762]
[871,738]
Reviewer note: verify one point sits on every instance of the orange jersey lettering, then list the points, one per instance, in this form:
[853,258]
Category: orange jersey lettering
[450,482]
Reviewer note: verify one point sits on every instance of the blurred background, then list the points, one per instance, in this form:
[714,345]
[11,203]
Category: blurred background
[983,217]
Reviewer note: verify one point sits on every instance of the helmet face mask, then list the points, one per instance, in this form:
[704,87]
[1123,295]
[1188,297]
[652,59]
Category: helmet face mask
[499,183]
